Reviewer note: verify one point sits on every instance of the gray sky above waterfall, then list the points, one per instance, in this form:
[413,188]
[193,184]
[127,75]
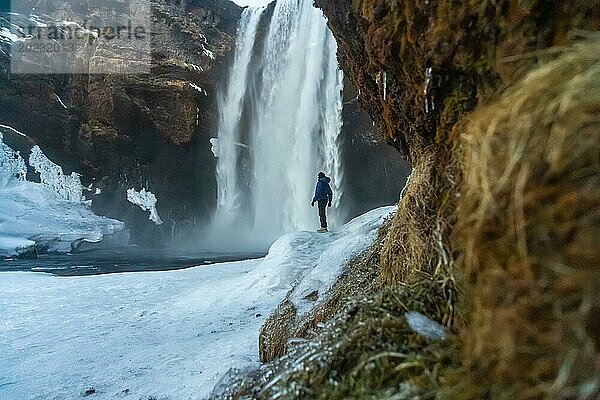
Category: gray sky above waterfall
[252,3]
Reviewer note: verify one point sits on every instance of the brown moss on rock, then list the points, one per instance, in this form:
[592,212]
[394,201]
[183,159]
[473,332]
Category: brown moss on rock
[276,331]
[464,43]
[529,227]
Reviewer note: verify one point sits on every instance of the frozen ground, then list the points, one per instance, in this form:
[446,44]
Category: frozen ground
[163,335]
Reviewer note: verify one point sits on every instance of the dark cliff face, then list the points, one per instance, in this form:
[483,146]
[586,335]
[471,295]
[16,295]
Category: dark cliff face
[133,131]
[437,59]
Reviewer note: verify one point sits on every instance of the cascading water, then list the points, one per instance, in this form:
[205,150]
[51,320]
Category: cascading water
[280,122]
[230,112]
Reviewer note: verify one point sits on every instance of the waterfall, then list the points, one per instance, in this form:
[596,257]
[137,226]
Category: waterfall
[230,111]
[280,123]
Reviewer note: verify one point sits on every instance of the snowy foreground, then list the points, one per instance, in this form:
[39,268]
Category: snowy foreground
[163,335]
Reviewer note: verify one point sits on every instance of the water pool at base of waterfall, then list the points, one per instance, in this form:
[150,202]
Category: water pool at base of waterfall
[126,259]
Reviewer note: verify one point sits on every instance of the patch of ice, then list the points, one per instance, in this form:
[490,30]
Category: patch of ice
[76,25]
[208,53]
[37,214]
[12,165]
[7,36]
[384,85]
[198,88]
[70,23]
[216,143]
[59,100]
[66,186]
[146,200]
[37,20]
[10,128]
[194,67]
[424,326]
[406,184]
[9,245]
[429,104]
[214,146]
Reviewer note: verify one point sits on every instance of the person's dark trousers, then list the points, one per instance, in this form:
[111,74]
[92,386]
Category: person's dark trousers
[322,213]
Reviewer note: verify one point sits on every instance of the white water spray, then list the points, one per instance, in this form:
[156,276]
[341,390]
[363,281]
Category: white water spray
[286,107]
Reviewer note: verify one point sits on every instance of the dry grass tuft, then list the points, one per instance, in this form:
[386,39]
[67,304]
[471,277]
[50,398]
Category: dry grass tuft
[277,330]
[417,243]
[529,232]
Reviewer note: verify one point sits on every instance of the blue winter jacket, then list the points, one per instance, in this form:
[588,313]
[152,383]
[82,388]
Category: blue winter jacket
[323,190]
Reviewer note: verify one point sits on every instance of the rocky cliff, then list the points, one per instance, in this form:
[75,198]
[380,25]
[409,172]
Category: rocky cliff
[140,130]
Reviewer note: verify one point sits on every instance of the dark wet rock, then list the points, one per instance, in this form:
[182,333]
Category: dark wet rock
[373,171]
[89,391]
[312,296]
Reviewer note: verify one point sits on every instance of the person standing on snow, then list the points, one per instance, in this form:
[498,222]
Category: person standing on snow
[323,196]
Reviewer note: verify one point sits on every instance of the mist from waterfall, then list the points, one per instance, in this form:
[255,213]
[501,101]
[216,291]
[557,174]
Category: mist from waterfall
[279,125]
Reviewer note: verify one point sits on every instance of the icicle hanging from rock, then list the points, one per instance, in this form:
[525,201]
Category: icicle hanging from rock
[429,105]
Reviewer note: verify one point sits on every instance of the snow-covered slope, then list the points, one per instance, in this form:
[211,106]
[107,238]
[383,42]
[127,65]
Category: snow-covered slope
[50,214]
[171,334]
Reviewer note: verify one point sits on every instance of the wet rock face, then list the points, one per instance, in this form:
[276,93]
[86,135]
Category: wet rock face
[148,130]
[374,174]
[420,65]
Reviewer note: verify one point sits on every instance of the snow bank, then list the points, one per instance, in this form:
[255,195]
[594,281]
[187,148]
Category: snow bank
[49,214]
[314,261]
[146,200]
[170,334]
[198,88]
[7,36]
